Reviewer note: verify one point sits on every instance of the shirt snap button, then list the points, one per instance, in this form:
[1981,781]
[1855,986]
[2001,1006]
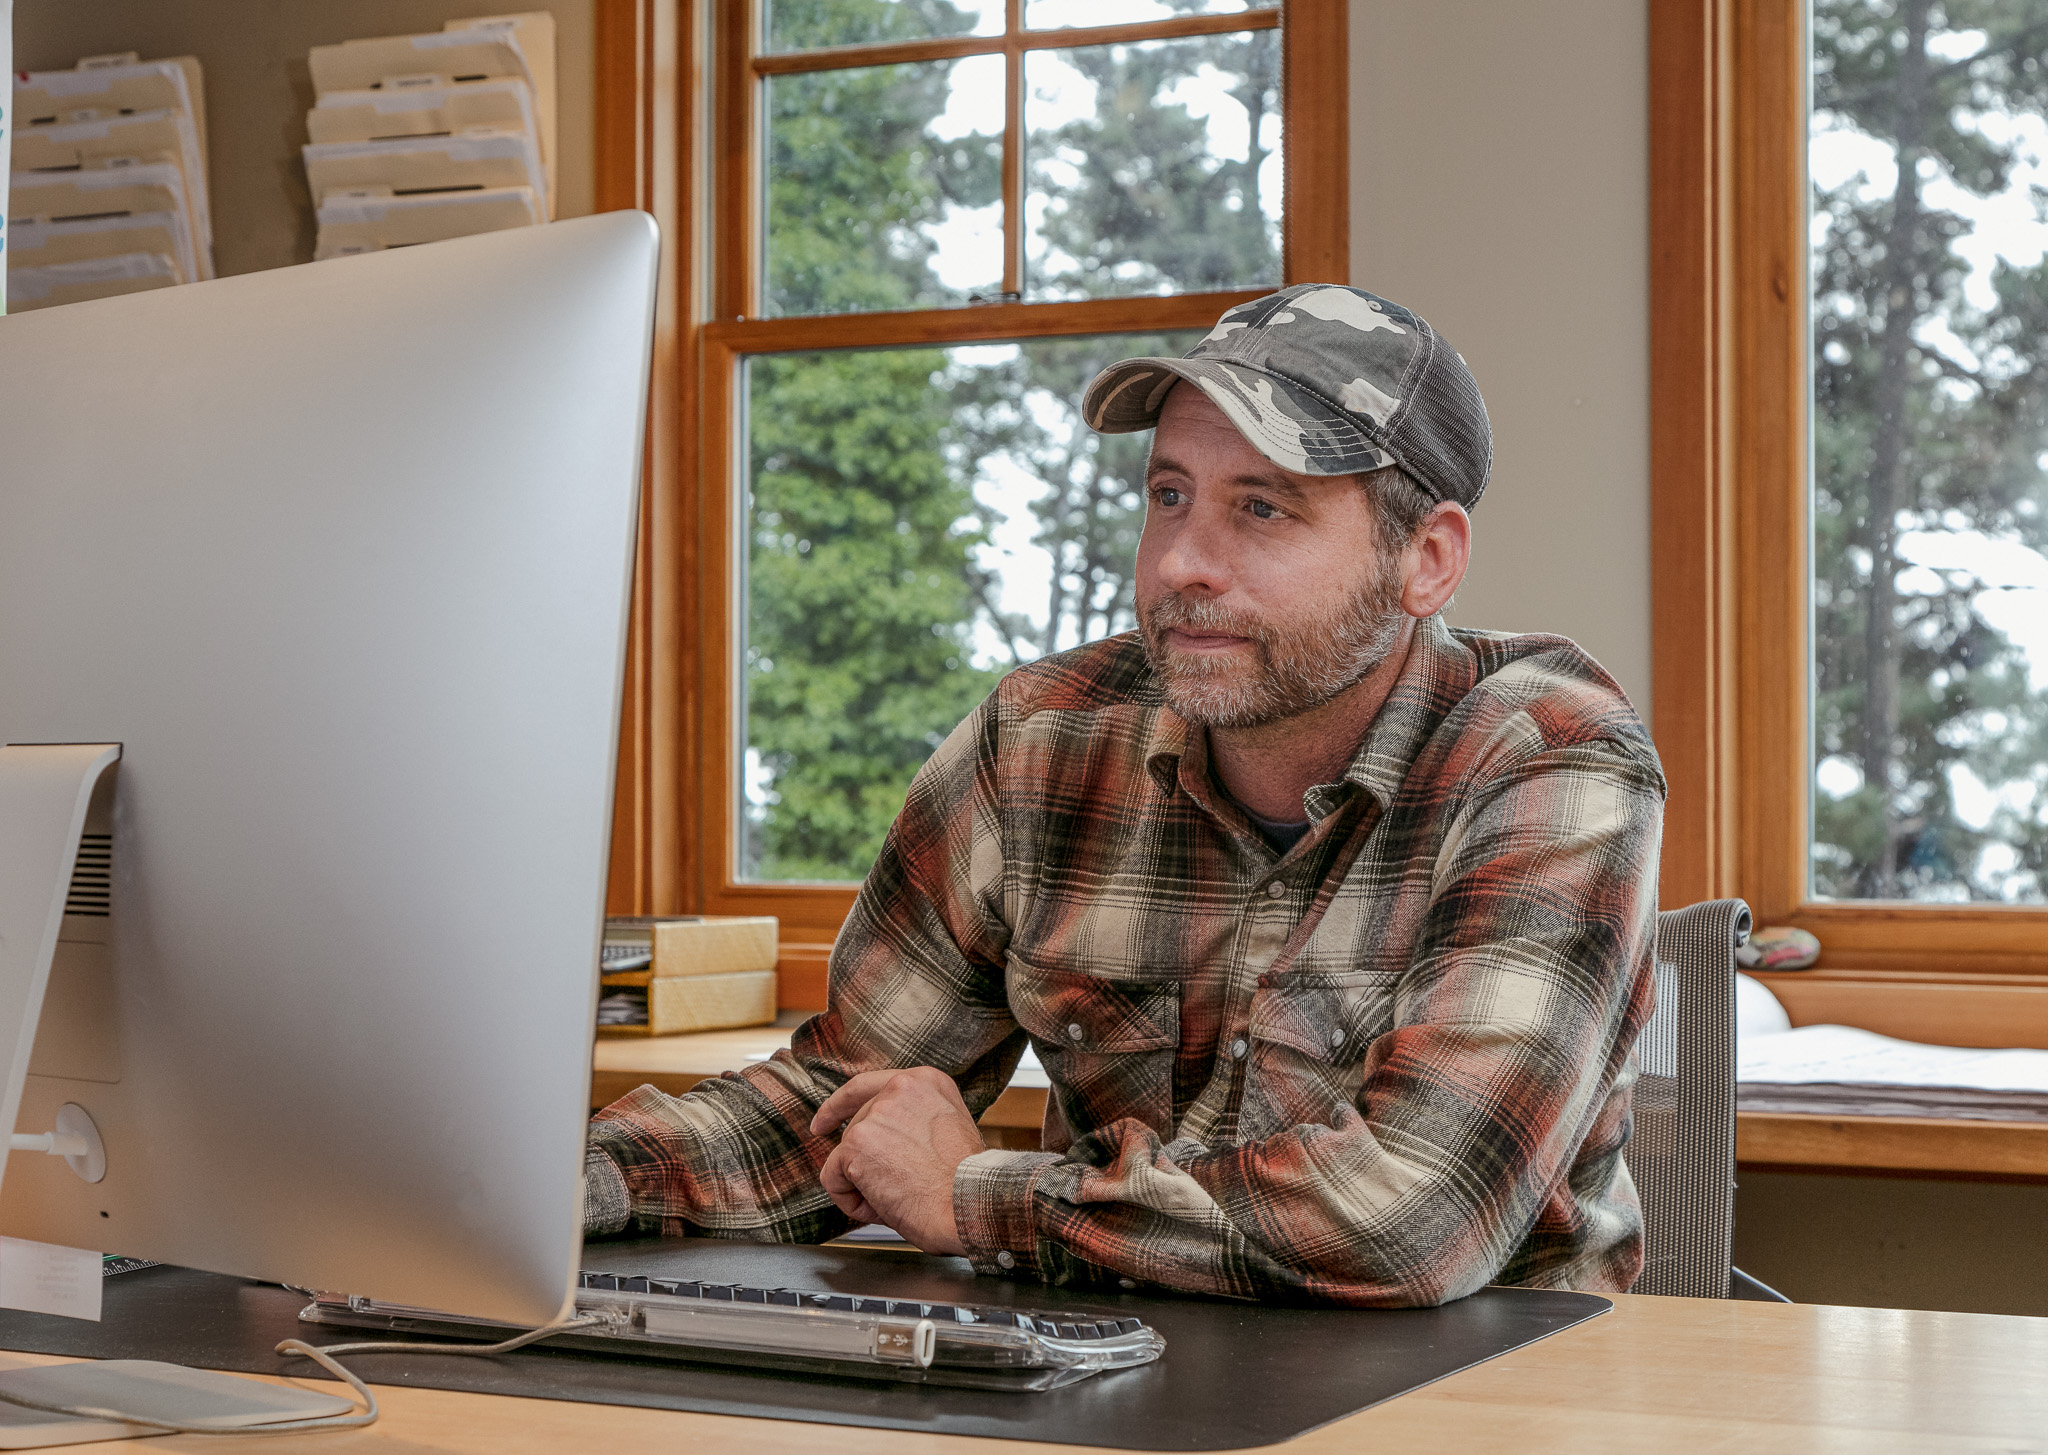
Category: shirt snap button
[1237,1049]
[1006,1259]
[1336,1038]
[1074,1032]
[1276,890]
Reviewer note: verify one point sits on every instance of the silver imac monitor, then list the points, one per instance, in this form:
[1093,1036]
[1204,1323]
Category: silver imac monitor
[339,557]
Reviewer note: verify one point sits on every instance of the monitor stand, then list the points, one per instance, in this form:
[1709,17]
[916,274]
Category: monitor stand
[46,792]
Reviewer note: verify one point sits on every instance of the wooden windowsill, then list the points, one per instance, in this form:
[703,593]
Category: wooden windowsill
[1764,1141]
[1936,1147]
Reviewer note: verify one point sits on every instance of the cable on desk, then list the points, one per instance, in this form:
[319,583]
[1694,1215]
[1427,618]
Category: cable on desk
[323,1356]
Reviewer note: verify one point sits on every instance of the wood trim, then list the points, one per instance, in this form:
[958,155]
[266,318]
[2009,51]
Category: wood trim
[1945,1148]
[1767,301]
[898,53]
[1014,260]
[615,163]
[1316,90]
[1729,390]
[1691,593]
[801,969]
[616,170]
[736,165]
[642,130]
[947,48]
[1946,1008]
[973,324]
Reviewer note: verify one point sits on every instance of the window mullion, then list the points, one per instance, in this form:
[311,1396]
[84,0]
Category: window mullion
[1013,151]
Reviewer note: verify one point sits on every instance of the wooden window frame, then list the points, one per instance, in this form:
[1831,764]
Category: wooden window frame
[1730,387]
[673,849]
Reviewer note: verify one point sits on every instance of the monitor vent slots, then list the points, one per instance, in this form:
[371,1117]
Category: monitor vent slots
[92,881]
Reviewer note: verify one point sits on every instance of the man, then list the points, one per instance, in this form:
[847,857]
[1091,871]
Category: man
[1332,926]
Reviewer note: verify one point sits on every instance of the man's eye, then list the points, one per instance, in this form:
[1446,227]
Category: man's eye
[1263,509]
[1166,495]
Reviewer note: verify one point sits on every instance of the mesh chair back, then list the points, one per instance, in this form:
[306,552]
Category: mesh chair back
[1682,1155]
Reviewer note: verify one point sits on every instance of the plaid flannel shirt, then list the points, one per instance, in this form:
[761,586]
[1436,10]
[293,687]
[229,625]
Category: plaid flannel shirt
[1387,1067]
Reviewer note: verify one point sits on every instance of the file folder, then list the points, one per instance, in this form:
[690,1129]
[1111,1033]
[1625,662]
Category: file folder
[41,244]
[97,191]
[81,282]
[503,104]
[534,30]
[409,164]
[392,62]
[104,86]
[367,224]
[145,137]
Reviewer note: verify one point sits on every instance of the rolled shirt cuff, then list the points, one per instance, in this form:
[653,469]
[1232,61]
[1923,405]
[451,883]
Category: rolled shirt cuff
[993,1209]
[607,1205]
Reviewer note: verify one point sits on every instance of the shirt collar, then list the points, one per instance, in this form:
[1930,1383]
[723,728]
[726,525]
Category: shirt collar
[1436,674]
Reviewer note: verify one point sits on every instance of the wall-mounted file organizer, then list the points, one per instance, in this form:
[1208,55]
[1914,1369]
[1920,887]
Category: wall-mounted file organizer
[414,138]
[108,192]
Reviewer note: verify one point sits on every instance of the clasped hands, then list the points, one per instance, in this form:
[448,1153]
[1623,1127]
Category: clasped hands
[902,1135]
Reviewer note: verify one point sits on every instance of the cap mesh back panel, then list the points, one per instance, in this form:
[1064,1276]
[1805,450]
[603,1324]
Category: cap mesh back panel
[1682,1154]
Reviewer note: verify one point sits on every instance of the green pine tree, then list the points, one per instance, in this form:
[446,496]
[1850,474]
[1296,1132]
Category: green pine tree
[1912,434]
[867,592]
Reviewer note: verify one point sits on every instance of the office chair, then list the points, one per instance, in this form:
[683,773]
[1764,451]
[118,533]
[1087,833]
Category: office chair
[1682,1155]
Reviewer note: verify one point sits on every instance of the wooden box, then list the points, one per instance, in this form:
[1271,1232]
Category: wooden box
[707,973]
[679,1003]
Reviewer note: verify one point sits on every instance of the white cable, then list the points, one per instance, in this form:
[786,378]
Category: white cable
[323,1357]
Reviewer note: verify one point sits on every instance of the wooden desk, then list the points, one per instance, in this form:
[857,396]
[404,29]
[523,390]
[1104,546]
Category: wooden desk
[1656,1374]
[1764,1141]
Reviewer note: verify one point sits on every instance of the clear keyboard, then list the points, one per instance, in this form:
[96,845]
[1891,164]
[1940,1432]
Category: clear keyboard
[861,1336]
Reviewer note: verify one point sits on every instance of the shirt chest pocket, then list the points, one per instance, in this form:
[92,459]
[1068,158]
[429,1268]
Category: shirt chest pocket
[1107,1045]
[1309,1038]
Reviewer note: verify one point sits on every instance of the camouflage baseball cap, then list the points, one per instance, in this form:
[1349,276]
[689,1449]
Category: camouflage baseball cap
[1323,380]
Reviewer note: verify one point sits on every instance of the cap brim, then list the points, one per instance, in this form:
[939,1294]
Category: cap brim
[1290,426]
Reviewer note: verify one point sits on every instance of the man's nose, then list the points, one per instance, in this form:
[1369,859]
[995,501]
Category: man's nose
[1194,558]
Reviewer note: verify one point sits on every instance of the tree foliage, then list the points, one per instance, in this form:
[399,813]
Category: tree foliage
[1930,425]
[875,619]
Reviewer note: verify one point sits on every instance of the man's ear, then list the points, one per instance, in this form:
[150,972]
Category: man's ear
[1433,565]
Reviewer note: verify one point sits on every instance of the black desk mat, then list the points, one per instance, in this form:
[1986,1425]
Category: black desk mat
[1233,1375]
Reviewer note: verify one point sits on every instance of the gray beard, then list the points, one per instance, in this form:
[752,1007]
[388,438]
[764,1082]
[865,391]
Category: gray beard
[1296,667]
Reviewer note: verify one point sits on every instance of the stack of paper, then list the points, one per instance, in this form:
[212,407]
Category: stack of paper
[109,190]
[414,138]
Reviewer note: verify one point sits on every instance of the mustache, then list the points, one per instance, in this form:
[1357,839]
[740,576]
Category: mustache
[1198,613]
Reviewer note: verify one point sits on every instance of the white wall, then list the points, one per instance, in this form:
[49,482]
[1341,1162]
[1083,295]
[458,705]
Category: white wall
[1499,188]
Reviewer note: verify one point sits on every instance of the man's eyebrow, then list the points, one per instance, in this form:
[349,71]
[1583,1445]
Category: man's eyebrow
[1273,484]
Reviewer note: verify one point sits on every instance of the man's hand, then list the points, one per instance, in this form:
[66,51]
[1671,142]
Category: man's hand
[905,1134]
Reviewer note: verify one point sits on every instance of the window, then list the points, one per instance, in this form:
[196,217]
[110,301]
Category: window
[931,224]
[1927,151]
[1849,436]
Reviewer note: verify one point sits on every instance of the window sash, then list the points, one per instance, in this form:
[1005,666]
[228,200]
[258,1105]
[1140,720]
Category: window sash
[675,850]
[1730,388]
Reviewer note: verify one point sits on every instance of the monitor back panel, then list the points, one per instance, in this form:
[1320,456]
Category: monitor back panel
[340,555]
